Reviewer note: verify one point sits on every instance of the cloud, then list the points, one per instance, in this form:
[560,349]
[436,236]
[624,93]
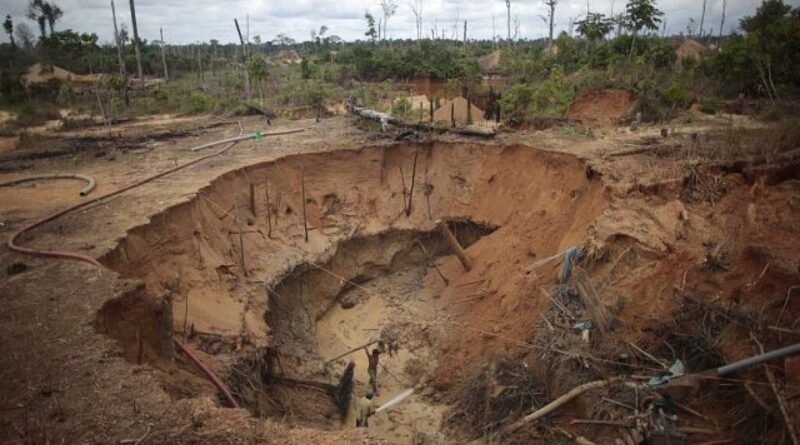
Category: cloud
[203,20]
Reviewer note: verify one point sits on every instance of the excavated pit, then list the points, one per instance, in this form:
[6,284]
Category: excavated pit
[233,273]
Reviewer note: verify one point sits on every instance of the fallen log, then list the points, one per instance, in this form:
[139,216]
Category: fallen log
[387,119]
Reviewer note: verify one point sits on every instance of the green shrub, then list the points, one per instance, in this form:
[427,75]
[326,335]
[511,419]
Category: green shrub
[401,108]
[548,98]
[198,102]
[710,106]
[677,96]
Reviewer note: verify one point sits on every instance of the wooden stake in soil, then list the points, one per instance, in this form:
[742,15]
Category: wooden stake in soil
[269,210]
[253,199]
[411,190]
[405,192]
[457,249]
[453,114]
[433,264]
[241,240]
[303,193]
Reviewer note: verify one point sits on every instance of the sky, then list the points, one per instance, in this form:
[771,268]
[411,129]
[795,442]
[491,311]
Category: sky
[202,20]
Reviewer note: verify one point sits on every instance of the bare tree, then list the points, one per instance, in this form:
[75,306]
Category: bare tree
[164,55]
[551,16]
[8,26]
[416,8]
[494,32]
[37,14]
[24,35]
[703,19]
[120,55]
[389,9]
[516,25]
[508,18]
[136,44]
[722,22]
[52,14]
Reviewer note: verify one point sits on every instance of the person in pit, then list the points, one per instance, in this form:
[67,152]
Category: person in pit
[372,368]
[364,409]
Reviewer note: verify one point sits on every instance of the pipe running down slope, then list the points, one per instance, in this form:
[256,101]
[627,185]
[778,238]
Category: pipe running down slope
[59,254]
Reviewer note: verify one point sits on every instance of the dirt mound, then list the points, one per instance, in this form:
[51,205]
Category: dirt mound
[601,107]
[443,113]
[689,49]
[286,57]
[40,74]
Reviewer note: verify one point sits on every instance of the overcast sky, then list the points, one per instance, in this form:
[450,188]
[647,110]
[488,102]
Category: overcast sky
[203,20]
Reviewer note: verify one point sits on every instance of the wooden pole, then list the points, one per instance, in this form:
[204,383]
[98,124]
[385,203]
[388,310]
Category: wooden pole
[269,210]
[253,199]
[433,264]
[431,109]
[453,114]
[241,240]
[457,249]
[303,193]
[122,71]
[136,46]
[469,108]
[163,55]
[411,190]
[352,351]
[244,54]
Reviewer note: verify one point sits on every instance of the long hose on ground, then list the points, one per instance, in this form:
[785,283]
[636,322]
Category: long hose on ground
[90,182]
[87,259]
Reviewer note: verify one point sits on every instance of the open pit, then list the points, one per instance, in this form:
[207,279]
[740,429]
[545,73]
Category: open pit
[273,270]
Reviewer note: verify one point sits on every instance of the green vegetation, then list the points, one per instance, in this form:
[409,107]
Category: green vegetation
[283,75]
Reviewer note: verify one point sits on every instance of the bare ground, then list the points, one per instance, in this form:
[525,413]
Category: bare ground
[656,237]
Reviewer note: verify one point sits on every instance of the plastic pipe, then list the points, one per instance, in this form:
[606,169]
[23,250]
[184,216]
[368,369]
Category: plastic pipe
[91,184]
[758,359]
[208,372]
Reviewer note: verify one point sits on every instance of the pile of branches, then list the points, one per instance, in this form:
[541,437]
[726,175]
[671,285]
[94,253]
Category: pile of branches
[494,395]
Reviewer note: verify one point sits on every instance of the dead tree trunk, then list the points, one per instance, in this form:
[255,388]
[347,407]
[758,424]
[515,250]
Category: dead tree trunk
[136,46]
[163,55]
[120,55]
[552,5]
[702,19]
[366,113]
[244,55]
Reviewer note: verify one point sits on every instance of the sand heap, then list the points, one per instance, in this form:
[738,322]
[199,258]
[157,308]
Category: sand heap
[442,114]
[39,74]
[286,57]
[689,49]
[604,107]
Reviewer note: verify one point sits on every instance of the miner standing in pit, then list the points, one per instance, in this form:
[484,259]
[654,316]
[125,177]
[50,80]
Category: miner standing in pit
[372,368]
[364,410]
